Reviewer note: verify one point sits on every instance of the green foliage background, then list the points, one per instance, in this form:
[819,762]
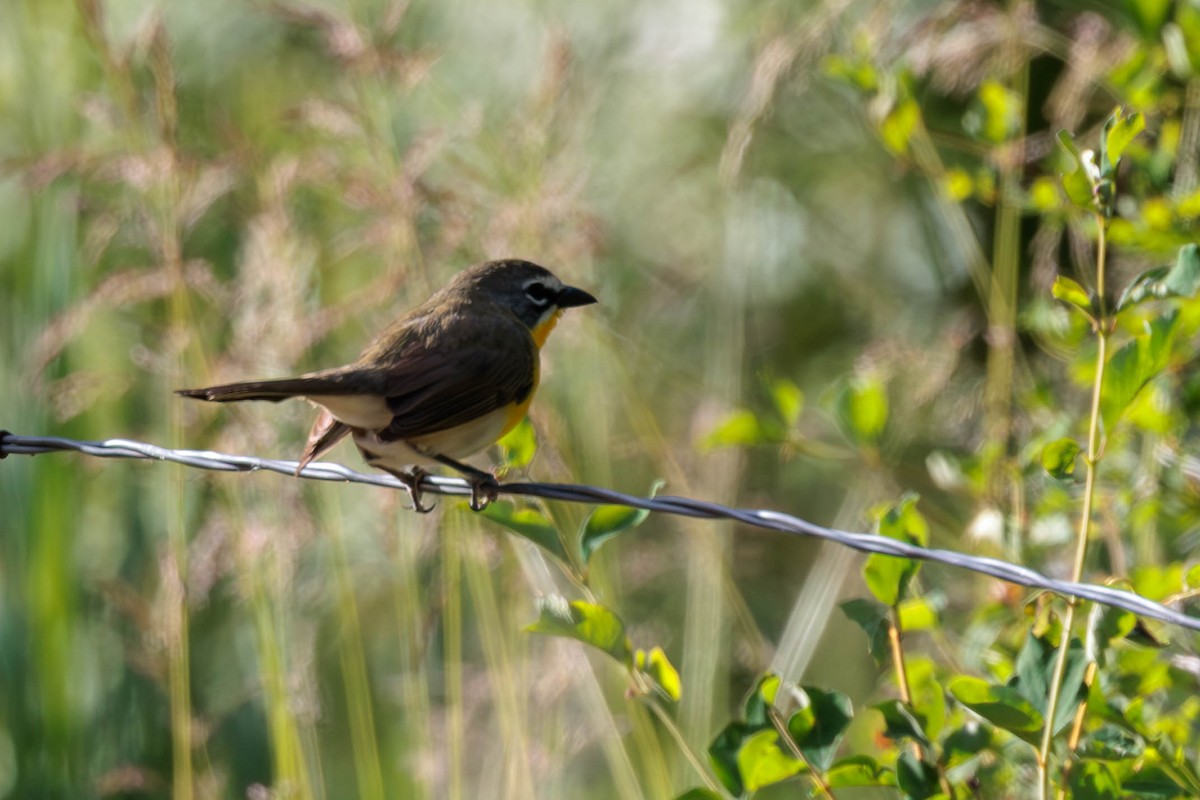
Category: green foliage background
[824,238]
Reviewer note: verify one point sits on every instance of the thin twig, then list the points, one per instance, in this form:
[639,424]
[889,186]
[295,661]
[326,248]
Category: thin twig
[818,777]
[1085,515]
[1076,731]
[689,754]
[894,637]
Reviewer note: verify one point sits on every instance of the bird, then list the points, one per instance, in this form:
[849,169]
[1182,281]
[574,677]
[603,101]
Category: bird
[444,381]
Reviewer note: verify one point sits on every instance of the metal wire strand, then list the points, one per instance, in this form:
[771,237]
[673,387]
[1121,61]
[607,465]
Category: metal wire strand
[11,444]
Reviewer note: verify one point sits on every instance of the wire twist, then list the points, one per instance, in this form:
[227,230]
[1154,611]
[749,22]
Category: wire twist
[11,444]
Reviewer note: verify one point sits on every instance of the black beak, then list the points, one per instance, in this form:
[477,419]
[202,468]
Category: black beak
[570,297]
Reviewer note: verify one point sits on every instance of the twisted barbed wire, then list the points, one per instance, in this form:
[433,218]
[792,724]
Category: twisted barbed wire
[11,444]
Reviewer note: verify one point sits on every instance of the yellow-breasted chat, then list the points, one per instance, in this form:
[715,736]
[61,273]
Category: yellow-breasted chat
[442,382]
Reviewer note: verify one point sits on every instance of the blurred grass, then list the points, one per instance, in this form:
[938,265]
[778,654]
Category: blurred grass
[199,192]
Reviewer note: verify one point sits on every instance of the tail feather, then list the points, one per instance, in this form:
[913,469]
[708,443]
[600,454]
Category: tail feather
[229,392]
[276,390]
[326,432]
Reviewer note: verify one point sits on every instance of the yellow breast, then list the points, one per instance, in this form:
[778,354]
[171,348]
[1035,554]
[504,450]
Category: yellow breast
[543,328]
[516,413]
[540,332]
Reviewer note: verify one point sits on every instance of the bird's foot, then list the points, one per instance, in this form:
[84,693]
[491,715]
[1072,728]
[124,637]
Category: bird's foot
[484,486]
[484,489]
[412,482]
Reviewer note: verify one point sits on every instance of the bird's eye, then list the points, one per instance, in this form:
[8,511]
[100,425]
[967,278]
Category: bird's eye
[539,293]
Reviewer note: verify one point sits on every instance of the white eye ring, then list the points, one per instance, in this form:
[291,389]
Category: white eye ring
[539,293]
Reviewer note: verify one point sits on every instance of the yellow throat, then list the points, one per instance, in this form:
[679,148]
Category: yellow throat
[543,328]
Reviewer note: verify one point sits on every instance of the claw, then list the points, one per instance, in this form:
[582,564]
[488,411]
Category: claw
[484,486]
[415,495]
[483,492]
[412,482]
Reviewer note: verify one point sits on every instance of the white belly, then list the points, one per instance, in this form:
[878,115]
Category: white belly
[457,443]
[356,410]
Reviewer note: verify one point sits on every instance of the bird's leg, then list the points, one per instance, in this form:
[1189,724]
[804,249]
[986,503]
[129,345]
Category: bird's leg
[411,479]
[484,486]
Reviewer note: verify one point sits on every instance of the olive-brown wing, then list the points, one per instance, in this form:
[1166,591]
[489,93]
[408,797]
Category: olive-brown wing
[492,365]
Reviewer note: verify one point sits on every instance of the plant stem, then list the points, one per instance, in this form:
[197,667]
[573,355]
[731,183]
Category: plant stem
[818,777]
[1077,727]
[676,734]
[1085,517]
[894,636]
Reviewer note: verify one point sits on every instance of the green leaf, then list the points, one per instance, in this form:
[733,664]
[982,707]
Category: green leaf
[1035,667]
[897,128]
[518,446]
[1067,140]
[1111,743]
[926,687]
[1079,189]
[1058,458]
[1105,626]
[660,669]
[917,778]
[888,577]
[857,771]
[1044,195]
[1150,15]
[608,521]
[1002,706]
[723,755]
[862,409]
[1150,285]
[903,521]
[957,184]
[818,726]
[699,794]
[788,399]
[1070,291]
[740,428]
[1180,280]
[995,115]
[858,73]
[761,762]
[873,619]
[529,523]
[1093,780]
[966,741]
[902,722]
[1118,132]
[1187,34]
[1157,581]
[759,701]
[1135,365]
[1191,578]
[1150,783]
[590,623]
[1078,184]
[1149,633]
[917,614]
[1184,278]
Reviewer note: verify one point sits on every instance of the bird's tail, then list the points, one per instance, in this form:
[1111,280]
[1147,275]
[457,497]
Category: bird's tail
[276,390]
[326,432]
